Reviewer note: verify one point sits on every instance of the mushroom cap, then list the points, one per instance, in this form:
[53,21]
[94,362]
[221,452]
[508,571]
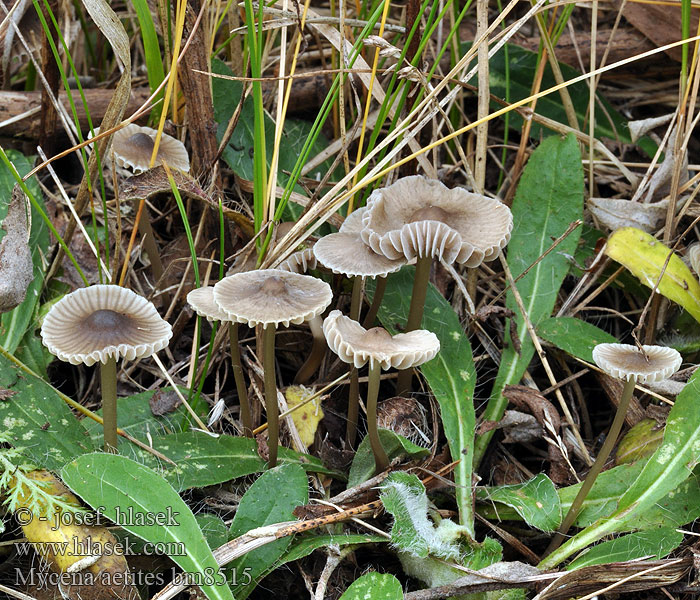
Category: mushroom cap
[356,345]
[272,296]
[417,217]
[345,252]
[627,362]
[694,257]
[104,321]
[133,145]
[299,262]
[202,301]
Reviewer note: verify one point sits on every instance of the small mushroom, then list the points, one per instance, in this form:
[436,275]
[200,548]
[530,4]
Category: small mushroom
[133,147]
[103,323]
[423,219]
[270,297]
[693,255]
[202,300]
[632,365]
[358,346]
[346,254]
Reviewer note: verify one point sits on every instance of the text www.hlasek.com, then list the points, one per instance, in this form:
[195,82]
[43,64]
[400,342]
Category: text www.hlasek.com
[85,547]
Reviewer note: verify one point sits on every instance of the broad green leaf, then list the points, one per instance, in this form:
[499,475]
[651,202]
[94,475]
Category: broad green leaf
[363,466]
[213,528]
[133,496]
[548,199]
[377,586]
[573,336]
[652,544]
[34,354]
[14,324]
[515,83]
[644,256]
[271,499]
[664,472]
[450,375]
[38,422]
[536,501]
[639,442]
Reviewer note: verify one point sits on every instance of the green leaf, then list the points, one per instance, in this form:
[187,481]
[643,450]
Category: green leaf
[39,423]
[664,472]
[639,442]
[306,545]
[395,445]
[651,544]
[213,528]
[536,501]
[573,336]
[134,496]
[645,256]
[271,499]
[377,586]
[548,199]
[14,324]
[451,374]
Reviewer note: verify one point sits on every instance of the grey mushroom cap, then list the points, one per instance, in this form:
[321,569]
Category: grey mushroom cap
[345,252]
[272,297]
[202,301]
[417,217]
[133,146]
[627,362]
[100,322]
[300,261]
[694,257]
[357,346]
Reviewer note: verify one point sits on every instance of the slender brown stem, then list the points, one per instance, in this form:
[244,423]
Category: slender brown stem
[108,379]
[415,315]
[150,245]
[353,407]
[318,351]
[380,458]
[597,467]
[270,393]
[238,376]
[376,303]
[356,299]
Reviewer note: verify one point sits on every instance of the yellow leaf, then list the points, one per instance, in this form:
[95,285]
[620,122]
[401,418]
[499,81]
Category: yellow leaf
[644,256]
[306,417]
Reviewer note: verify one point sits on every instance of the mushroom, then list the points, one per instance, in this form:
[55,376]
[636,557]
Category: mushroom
[693,255]
[346,254]
[133,147]
[202,300]
[356,345]
[632,365]
[103,323]
[423,219]
[269,297]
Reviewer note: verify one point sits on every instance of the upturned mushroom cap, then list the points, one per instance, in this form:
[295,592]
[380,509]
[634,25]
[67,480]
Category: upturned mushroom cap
[272,296]
[133,145]
[356,345]
[627,362]
[202,301]
[417,216]
[299,262]
[345,252]
[104,321]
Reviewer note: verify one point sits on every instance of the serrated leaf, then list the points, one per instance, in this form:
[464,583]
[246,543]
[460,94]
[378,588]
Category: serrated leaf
[271,499]
[644,256]
[127,493]
[574,336]
[536,501]
[548,199]
[451,374]
[377,586]
[38,421]
[664,472]
[651,544]
[363,466]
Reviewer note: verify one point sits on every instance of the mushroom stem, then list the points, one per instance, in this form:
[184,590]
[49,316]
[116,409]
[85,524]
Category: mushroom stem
[108,380]
[318,351]
[241,388]
[380,458]
[354,391]
[270,393]
[597,467]
[371,316]
[415,315]
[150,245]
